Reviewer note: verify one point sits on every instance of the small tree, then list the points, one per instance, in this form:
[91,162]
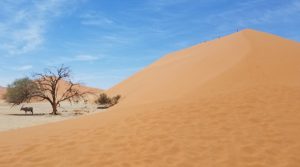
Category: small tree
[20,91]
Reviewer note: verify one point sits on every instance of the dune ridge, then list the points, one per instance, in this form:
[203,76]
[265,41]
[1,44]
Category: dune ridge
[233,101]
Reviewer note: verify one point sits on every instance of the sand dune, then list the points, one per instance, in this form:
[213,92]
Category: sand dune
[245,58]
[233,101]
[92,93]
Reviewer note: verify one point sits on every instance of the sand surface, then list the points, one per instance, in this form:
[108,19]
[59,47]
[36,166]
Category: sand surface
[13,118]
[229,102]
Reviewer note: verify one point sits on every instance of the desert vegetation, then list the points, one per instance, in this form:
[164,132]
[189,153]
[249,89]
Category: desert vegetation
[44,87]
[106,101]
[20,91]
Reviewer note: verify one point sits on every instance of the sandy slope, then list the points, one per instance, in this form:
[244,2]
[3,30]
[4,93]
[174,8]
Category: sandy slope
[229,102]
[92,93]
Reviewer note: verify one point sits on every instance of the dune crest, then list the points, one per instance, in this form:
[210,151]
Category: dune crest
[233,101]
[248,57]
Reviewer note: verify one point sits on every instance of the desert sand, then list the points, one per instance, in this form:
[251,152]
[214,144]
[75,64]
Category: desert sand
[233,101]
[13,118]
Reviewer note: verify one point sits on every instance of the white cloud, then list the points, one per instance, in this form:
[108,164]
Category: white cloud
[24,23]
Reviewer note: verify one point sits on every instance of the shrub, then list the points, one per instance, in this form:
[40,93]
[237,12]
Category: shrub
[108,101]
[115,99]
[103,99]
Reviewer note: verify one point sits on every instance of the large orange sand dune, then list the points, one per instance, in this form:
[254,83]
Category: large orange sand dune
[229,102]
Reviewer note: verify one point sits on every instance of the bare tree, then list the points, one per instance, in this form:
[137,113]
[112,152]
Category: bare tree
[48,87]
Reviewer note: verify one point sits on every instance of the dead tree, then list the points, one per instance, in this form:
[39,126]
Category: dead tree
[48,87]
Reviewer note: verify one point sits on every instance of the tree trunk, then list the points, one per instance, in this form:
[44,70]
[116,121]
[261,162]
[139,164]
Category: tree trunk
[54,109]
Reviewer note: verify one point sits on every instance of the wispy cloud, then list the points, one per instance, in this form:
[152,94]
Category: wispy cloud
[93,18]
[24,68]
[85,58]
[72,59]
[24,23]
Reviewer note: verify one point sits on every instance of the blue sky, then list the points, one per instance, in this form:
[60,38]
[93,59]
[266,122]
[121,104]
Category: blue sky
[104,42]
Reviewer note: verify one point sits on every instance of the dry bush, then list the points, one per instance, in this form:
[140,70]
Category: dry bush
[107,101]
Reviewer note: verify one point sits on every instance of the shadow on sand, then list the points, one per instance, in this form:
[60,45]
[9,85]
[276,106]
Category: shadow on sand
[36,114]
[102,107]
